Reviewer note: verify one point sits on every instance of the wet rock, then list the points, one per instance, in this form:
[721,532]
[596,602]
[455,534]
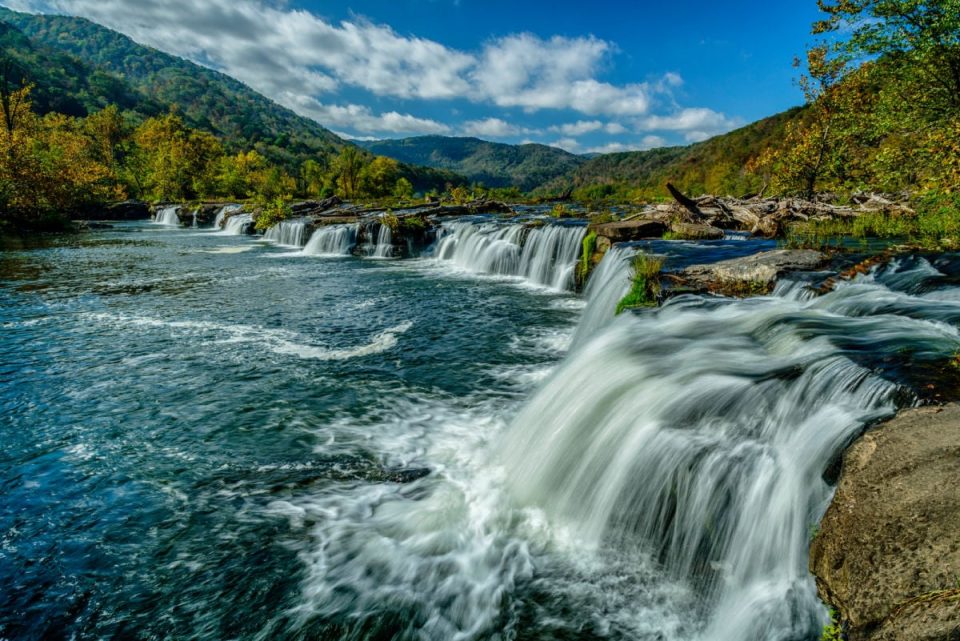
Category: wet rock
[628,230]
[693,231]
[749,275]
[128,210]
[887,555]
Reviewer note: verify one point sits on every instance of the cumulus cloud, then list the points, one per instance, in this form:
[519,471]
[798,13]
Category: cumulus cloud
[492,128]
[691,119]
[304,62]
[648,142]
[587,126]
[567,144]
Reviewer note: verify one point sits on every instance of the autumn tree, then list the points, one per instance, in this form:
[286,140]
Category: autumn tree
[378,178]
[347,168]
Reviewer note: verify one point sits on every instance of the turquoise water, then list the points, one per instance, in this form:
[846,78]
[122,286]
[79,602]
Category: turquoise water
[207,436]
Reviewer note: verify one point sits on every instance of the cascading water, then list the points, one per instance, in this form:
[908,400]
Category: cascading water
[699,433]
[332,240]
[384,248]
[225,211]
[237,224]
[545,256]
[607,285]
[168,216]
[291,233]
[550,255]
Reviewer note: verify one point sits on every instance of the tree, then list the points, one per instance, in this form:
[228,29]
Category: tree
[403,189]
[347,167]
[378,178]
[313,178]
[924,33]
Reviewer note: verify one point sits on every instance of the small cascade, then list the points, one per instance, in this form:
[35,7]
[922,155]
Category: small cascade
[699,434]
[167,216]
[384,247]
[291,233]
[332,240]
[238,224]
[225,211]
[544,256]
[487,248]
[550,255]
[606,287]
[194,223]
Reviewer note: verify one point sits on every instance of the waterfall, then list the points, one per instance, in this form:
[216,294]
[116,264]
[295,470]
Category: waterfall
[332,240]
[384,248]
[223,213]
[606,287]
[194,223]
[168,216]
[545,256]
[289,232]
[550,255]
[238,224]
[700,432]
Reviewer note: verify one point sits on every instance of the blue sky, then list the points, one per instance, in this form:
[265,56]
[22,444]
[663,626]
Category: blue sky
[585,76]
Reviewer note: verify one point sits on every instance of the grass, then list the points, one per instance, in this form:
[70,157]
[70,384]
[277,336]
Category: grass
[936,225]
[645,284]
[586,256]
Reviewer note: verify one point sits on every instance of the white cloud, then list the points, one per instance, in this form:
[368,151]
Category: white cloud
[492,128]
[691,119]
[567,144]
[362,118]
[648,142]
[532,73]
[303,61]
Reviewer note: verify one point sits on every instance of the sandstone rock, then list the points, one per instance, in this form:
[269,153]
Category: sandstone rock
[625,231]
[887,555]
[693,231]
[754,274]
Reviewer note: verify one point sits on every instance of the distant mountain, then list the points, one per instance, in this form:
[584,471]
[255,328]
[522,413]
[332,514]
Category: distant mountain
[493,164]
[78,66]
[715,166]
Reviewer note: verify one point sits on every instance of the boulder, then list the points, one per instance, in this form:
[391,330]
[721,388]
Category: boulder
[887,554]
[754,274]
[693,231]
[628,230]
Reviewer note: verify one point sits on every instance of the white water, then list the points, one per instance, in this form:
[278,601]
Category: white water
[332,240]
[224,211]
[384,248]
[550,255]
[291,233]
[699,434]
[544,256]
[167,216]
[237,224]
[606,287]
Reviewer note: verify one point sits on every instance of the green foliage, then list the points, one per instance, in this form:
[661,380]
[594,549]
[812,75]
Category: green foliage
[272,213]
[403,189]
[645,283]
[561,211]
[390,220]
[833,631]
[586,256]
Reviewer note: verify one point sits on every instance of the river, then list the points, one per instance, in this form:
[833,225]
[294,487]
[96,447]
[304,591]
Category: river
[208,436]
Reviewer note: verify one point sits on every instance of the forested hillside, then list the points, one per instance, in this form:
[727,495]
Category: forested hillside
[87,66]
[526,167]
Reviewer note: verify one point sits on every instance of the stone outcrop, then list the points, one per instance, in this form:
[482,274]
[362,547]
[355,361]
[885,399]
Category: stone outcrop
[625,231]
[693,231]
[755,274]
[887,554]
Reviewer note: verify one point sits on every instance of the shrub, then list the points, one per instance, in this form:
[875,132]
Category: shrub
[645,284]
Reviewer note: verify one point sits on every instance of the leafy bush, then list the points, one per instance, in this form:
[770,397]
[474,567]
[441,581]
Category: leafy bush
[645,284]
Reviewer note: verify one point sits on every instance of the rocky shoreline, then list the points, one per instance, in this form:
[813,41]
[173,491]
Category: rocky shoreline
[887,554]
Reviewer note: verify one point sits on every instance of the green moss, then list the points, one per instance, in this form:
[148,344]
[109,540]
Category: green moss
[586,256]
[832,631]
[645,287]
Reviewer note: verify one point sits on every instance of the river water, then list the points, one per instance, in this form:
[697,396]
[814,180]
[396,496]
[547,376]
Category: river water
[207,436]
